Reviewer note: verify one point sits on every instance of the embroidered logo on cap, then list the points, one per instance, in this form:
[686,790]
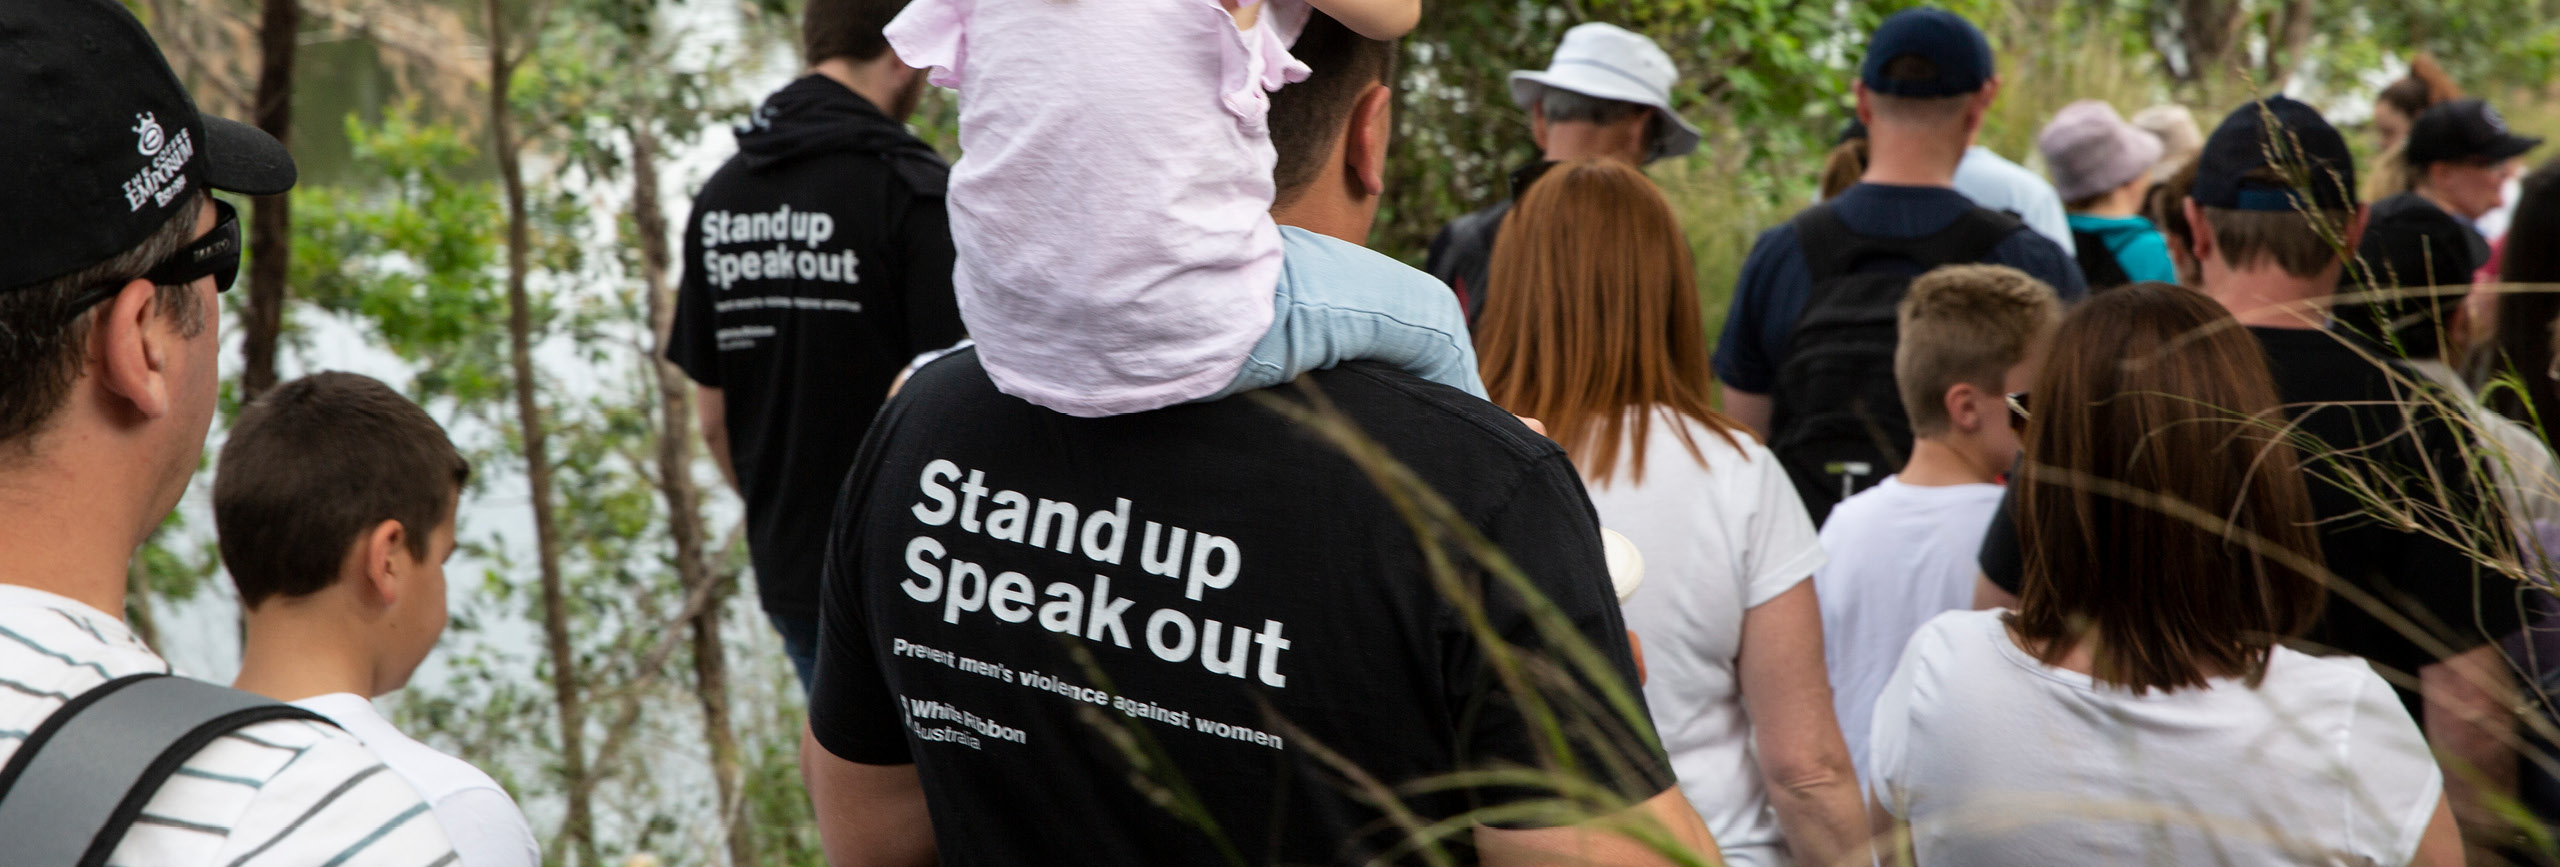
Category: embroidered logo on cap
[152,138]
[2497,122]
[161,181]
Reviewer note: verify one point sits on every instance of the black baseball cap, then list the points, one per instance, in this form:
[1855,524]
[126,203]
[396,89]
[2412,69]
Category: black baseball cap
[2281,132]
[1951,44]
[2464,129]
[102,142]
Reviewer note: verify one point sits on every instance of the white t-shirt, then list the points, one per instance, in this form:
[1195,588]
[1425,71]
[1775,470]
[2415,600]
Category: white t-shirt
[1997,759]
[1994,182]
[1718,538]
[288,792]
[1900,554]
[487,828]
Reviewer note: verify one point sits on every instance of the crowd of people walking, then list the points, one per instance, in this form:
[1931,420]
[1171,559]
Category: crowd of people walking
[1115,505]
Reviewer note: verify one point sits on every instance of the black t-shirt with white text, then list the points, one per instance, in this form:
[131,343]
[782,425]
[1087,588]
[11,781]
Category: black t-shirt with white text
[817,263]
[1062,620]
[2362,429]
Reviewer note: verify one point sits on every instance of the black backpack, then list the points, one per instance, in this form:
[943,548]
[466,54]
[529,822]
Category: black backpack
[2098,264]
[1837,423]
[76,785]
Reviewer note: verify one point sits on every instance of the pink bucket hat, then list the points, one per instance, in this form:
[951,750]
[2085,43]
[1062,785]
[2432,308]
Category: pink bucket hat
[2090,149]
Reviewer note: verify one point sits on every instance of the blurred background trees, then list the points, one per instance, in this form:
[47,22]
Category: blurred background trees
[486,221]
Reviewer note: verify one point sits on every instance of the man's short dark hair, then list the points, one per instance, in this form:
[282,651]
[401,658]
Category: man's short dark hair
[43,337]
[1564,106]
[312,466]
[846,28]
[1307,117]
[2303,242]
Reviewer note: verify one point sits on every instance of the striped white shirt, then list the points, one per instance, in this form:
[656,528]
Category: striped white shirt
[273,794]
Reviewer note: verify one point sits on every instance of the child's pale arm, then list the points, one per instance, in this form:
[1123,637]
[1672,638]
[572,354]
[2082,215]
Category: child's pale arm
[1376,19]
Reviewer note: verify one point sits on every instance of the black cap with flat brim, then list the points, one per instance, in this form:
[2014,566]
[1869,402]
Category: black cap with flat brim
[103,143]
[2464,129]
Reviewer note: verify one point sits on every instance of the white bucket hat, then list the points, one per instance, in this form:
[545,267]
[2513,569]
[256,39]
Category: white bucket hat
[1610,62]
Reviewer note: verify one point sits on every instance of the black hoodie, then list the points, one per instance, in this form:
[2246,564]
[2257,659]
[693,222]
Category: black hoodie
[817,262]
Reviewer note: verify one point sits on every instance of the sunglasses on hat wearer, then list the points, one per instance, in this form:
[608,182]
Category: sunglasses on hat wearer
[215,255]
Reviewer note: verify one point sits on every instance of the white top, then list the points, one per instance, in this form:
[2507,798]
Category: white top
[2528,477]
[487,828]
[287,792]
[1900,554]
[1113,206]
[1997,759]
[1718,538]
[1994,182]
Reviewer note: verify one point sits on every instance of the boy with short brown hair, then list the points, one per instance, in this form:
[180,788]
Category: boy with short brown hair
[1903,551]
[335,498]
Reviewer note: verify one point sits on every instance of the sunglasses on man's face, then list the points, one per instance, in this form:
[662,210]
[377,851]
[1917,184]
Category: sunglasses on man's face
[2018,411]
[216,255]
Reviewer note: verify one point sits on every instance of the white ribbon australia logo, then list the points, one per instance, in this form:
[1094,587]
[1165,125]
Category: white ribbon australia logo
[152,137]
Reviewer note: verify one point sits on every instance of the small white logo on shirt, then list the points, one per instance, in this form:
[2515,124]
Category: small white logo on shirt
[152,138]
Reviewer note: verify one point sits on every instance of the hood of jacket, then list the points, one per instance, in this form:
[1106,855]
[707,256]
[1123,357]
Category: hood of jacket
[817,116]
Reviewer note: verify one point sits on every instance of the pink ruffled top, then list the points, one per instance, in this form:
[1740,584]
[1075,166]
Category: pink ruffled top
[1112,205]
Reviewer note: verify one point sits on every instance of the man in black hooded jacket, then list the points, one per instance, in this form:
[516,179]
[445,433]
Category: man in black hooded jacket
[817,264]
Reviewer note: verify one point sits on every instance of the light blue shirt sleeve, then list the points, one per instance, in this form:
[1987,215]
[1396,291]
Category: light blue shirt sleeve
[1994,182]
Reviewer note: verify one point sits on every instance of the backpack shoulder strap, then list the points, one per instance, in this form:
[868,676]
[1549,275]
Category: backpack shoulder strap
[1969,239]
[78,782]
[1826,243]
[1831,250]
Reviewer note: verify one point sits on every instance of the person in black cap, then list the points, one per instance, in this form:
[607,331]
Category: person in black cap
[112,249]
[2457,160]
[2389,470]
[1807,353]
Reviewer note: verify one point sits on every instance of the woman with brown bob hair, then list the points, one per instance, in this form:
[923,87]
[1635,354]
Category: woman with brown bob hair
[1592,325]
[2140,706]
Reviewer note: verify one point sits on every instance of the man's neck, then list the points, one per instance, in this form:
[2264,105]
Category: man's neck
[1937,464]
[59,535]
[1330,213]
[296,649]
[1906,159]
[873,79]
[2268,297]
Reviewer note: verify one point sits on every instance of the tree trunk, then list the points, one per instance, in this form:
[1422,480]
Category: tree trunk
[684,501]
[2284,45]
[578,827]
[271,217]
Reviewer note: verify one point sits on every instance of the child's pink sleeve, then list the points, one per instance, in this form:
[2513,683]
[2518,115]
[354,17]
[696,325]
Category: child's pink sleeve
[932,34]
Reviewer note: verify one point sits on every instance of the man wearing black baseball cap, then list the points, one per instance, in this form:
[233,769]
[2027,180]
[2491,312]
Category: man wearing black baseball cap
[2458,158]
[1840,267]
[111,253]
[2272,202]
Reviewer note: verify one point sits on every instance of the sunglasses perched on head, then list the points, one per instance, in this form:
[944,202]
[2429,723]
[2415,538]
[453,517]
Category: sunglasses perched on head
[216,255]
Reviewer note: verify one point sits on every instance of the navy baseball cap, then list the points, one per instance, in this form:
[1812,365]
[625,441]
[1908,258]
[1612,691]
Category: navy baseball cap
[102,142]
[2291,137]
[1949,43]
[2464,129]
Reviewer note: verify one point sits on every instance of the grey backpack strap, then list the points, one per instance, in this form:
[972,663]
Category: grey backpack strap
[75,786]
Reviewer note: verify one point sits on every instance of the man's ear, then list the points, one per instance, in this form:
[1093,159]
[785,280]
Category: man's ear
[1538,124]
[1980,109]
[134,348]
[2200,240]
[1372,123]
[1963,414]
[1866,103]
[386,560]
[2356,226]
